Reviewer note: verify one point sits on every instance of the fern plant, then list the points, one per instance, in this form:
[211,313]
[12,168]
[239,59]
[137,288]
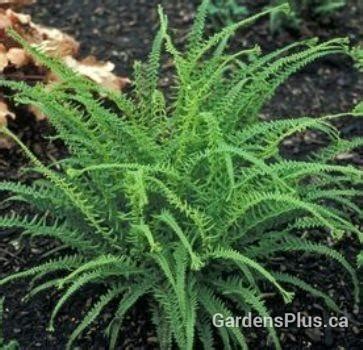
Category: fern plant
[182,198]
[321,8]
[226,11]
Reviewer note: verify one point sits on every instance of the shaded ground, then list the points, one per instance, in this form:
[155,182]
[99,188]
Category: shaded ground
[121,30]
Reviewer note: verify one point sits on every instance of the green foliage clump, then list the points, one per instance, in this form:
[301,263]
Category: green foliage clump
[182,199]
[226,11]
[319,8]
[360,259]
[13,344]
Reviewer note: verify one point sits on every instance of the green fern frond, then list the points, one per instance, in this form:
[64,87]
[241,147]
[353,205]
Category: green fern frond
[128,300]
[65,263]
[169,220]
[237,257]
[286,278]
[94,312]
[360,259]
[213,305]
[295,244]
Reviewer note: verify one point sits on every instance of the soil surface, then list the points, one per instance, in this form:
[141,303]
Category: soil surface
[121,31]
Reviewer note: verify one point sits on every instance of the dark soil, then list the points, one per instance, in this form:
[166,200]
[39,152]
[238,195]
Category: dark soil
[121,30]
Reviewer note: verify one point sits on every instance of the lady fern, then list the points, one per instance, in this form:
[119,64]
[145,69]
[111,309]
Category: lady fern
[314,8]
[225,12]
[182,198]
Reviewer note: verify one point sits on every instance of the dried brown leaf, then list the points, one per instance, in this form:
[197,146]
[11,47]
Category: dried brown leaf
[16,3]
[5,113]
[18,17]
[54,42]
[51,41]
[38,114]
[99,72]
[18,57]
[3,58]
[5,22]
[5,142]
